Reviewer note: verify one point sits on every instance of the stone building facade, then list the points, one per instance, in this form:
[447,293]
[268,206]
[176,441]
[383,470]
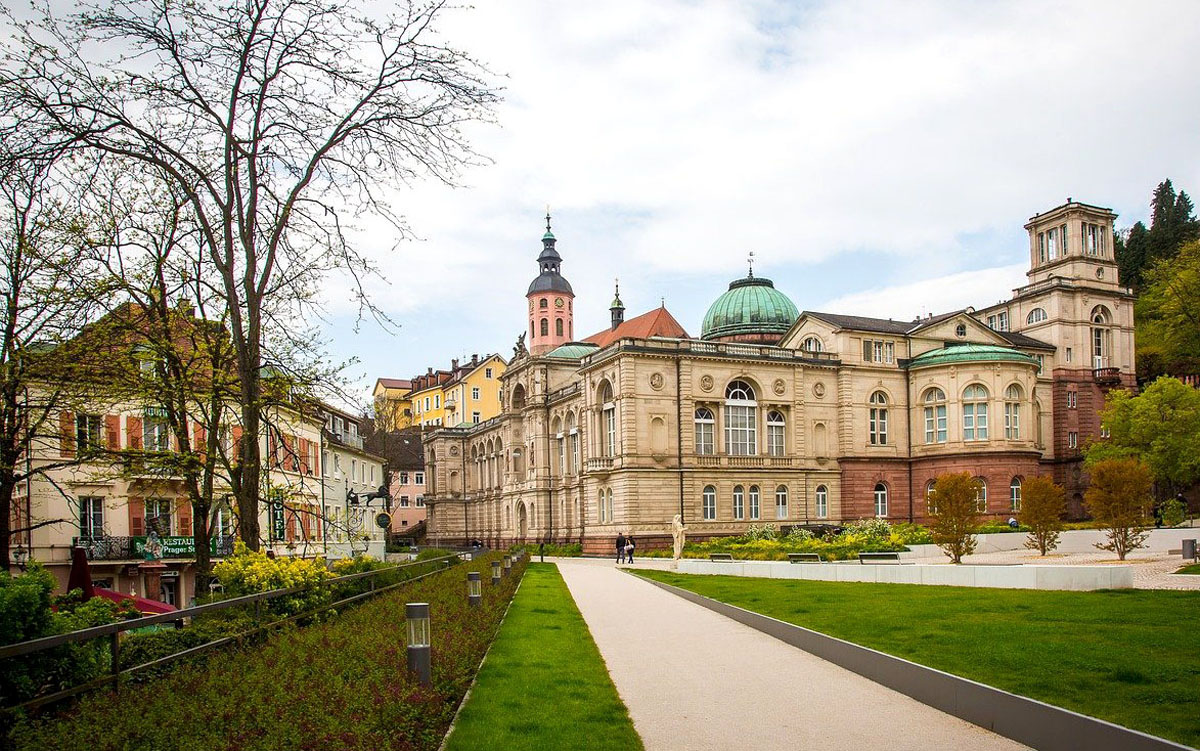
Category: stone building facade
[793,418]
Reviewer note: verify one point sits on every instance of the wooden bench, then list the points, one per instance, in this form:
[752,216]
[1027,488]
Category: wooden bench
[879,558]
[804,558]
[720,556]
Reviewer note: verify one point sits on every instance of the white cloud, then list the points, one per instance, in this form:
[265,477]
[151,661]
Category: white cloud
[977,289]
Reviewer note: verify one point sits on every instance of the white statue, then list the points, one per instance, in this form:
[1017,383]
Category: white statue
[677,534]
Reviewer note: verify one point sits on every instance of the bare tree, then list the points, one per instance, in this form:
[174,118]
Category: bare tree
[277,120]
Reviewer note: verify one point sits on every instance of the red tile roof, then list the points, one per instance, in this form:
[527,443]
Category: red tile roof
[657,322]
[394,383]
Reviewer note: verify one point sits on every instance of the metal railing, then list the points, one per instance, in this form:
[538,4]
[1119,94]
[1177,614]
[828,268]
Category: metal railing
[113,630]
[714,349]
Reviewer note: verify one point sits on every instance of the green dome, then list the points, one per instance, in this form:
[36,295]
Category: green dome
[959,353]
[573,350]
[750,306]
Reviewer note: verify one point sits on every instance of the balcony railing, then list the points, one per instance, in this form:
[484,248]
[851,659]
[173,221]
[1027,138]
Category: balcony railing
[111,548]
[714,349]
[353,441]
[1107,376]
[600,464]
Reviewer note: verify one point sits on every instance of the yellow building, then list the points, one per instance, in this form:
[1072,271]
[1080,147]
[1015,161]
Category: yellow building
[393,408]
[473,394]
[467,392]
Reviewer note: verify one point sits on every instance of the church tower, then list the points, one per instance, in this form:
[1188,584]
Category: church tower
[551,300]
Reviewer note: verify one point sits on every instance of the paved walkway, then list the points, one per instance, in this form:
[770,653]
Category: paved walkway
[695,680]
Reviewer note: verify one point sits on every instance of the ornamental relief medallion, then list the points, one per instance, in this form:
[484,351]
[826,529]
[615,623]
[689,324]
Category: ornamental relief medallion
[706,383]
[818,389]
[779,387]
[454,451]
[656,381]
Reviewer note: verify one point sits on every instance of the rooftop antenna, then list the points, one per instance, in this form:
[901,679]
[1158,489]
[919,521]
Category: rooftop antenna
[751,261]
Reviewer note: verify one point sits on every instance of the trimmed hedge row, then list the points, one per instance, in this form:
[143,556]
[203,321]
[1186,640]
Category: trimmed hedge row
[340,684]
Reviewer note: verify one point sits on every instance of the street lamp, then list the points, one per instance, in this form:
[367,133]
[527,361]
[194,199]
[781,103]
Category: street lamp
[417,616]
[20,557]
[474,589]
[495,572]
[507,564]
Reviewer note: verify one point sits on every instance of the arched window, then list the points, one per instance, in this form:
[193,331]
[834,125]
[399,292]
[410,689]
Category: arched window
[929,496]
[741,420]
[609,414]
[935,416]
[561,438]
[611,513]
[1014,495]
[532,330]
[1037,315]
[755,503]
[881,500]
[878,419]
[739,502]
[812,344]
[543,303]
[518,397]
[1101,320]
[709,503]
[975,413]
[781,502]
[1012,412]
[775,432]
[981,495]
[545,327]
[573,437]
[558,329]
[705,431]
[822,502]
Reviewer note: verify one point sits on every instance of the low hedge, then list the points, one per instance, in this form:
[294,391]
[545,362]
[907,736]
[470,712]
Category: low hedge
[570,550]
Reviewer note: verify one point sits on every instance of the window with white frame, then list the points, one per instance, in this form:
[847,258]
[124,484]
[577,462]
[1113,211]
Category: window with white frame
[1041,360]
[877,419]
[1037,315]
[822,496]
[91,517]
[930,498]
[935,416]
[741,418]
[1014,495]
[601,507]
[1072,440]
[705,431]
[475,393]
[708,503]
[420,501]
[403,501]
[418,478]
[403,477]
[1093,239]
[755,503]
[1012,412]
[981,495]
[739,502]
[998,321]
[156,432]
[158,516]
[1072,399]
[609,414]
[975,408]
[611,513]
[881,500]
[487,372]
[781,502]
[775,433]
[573,432]
[475,417]
[437,401]
[812,344]
[878,351]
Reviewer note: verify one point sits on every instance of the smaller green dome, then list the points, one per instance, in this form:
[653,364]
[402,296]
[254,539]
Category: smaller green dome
[572,350]
[750,306]
[960,353]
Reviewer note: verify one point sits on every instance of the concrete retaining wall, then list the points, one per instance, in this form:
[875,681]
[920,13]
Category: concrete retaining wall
[1075,541]
[1079,578]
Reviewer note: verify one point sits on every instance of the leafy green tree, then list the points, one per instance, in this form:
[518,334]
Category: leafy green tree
[1168,314]
[955,513]
[1042,507]
[1119,499]
[1160,427]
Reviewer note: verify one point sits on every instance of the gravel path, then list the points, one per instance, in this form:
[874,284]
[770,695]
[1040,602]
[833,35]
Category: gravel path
[693,679]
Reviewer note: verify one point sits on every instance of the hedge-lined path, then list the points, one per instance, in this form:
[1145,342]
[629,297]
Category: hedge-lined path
[693,679]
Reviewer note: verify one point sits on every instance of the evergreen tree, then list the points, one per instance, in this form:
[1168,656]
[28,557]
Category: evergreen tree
[1130,249]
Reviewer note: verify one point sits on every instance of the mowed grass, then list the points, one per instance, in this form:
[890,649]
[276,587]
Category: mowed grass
[543,684]
[1193,568]
[1127,656]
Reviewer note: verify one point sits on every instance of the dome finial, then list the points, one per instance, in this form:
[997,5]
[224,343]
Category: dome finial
[750,260]
[547,218]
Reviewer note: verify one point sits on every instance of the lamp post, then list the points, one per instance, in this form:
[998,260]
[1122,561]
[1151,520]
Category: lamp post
[417,616]
[495,572]
[20,556]
[474,589]
[507,564]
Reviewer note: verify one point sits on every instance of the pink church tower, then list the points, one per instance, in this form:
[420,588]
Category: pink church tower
[551,301]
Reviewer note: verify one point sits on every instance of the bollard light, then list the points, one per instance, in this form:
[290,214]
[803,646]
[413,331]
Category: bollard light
[507,564]
[474,589]
[417,616]
[495,572]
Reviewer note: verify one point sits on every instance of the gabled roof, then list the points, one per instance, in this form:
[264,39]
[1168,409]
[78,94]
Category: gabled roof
[394,383]
[658,322]
[1021,340]
[862,323]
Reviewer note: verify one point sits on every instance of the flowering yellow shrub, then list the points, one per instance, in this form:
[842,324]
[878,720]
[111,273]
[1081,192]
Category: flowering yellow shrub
[247,572]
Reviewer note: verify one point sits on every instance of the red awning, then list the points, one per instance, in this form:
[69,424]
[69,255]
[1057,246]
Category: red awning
[149,607]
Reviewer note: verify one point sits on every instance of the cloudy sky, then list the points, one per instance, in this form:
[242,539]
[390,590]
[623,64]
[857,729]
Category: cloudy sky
[878,158]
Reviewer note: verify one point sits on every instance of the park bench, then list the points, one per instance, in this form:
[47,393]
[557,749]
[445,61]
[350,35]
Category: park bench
[804,558]
[720,556]
[879,558]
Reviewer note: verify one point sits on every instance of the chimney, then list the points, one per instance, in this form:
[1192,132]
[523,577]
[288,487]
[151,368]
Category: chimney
[429,372]
[474,359]
[454,364]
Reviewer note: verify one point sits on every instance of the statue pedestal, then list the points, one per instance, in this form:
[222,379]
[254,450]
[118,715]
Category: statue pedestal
[152,570]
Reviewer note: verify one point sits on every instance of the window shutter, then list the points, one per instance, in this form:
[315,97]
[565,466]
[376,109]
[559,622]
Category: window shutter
[112,432]
[291,525]
[199,440]
[237,442]
[316,459]
[867,352]
[66,437]
[303,449]
[133,432]
[137,517]
[185,517]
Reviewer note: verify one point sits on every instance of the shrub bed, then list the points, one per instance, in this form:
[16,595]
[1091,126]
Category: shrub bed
[572,550]
[339,684]
[763,543]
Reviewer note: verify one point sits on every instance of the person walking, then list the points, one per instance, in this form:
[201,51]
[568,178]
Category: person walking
[629,549]
[620,547]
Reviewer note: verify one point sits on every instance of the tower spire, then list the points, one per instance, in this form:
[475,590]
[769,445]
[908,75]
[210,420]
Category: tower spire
[617,308]
[751,261]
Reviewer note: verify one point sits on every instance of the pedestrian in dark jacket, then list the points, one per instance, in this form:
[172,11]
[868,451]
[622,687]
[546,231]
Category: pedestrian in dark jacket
[629,549]
[620,548]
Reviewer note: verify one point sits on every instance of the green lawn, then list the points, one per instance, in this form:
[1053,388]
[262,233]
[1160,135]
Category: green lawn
[544,684]
[1193,568]
[1127,656]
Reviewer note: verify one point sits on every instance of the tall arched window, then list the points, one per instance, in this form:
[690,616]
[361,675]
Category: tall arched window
[573,437]
[601,507]
[558,329]
[741,420]
[878,419]
[739,502]
[545,327]
[775,433]
[561,438]
[705,431]
[755,503]
[822,502]
[929,496]
[611,514]
[1014,495]
[935,416]
[1037,315]
[975,413]
[1101,320]
[981,495]
[1012,412]
[812,344]
[709,503]
[881,500]
[609,414]
[781,502]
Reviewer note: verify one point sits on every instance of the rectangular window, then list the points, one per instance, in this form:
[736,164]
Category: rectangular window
[91,517]
[1072,440]
[475,393]
[822,502]
[419,478]
[437,401]
[1012,421]
[705,438]
[1041,362]
[774,439]
[158,516]
[403,501]
[935,424]
[878,426]
[1069,354]
[487,372]
[875,350]
[88,432]
[1002,321]
[739,503]
[475,417]
[781,502]
[710,503]
[155,431]
[991,322]
[1072,400]
[741,432]
[420,501]
[755,503]
[426,404]
[610,430]
[403,478]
